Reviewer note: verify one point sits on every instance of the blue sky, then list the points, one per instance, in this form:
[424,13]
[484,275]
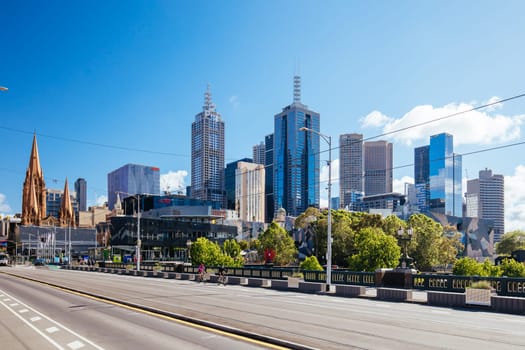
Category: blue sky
[85,75]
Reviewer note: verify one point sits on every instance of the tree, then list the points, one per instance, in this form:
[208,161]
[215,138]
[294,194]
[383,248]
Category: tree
[311,263]
[512,268]
[467,267]
[210,254]
[510,242]
[375,250]
[276,238]
[244,244]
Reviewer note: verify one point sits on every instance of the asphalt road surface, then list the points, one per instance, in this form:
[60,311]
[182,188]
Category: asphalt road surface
[315,321]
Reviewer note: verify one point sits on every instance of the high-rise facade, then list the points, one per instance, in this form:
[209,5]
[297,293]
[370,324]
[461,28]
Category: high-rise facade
[485,200]
[132,179]
[259,153]
[421,178]
[445,176]
[229,182]
[296,164]
[81,194]
[351,169]
[249,191]
[268,185]
[207,154]
[378,167]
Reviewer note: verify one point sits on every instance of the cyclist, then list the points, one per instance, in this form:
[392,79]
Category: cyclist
[201,271]
[222,275]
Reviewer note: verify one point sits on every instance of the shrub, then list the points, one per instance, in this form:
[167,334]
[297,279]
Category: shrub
[467,267]
[512,268]
[481,285]
[311,263]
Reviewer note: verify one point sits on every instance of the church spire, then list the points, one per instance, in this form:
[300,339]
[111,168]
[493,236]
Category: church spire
[34,191]
[66,216]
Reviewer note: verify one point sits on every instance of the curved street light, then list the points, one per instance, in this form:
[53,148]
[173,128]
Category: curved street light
[328,140]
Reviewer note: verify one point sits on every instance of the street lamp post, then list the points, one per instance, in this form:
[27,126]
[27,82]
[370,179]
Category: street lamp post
[328,140]
[405,238]
[139,242]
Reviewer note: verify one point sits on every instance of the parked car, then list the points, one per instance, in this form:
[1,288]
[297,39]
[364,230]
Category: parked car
[4,259]
[39,262]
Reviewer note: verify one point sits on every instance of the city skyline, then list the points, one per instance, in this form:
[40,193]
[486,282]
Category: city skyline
[138,94]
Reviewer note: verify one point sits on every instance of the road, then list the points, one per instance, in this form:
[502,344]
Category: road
[316,321]
[36,316]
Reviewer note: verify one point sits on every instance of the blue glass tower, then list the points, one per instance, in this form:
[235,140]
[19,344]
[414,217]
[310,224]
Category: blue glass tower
[132,179]
[296,157]
[445,176]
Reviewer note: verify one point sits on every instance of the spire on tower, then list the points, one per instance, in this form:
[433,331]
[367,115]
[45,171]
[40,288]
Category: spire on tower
[208,104]
[297,89]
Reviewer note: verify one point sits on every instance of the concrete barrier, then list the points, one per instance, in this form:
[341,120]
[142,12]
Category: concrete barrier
[394,294]
[187,276]
[349,291]
[279,284]
[446,299]
[311,287]
[509,305]
[258,282]
[237,280]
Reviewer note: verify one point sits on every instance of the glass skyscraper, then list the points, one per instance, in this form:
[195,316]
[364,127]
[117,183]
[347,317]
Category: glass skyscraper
[378,167]
[421,178]
[351,169]
[229,181]
[132,179]
[268,185]
[296,157]
[445,176]
[207,154]
[80,190]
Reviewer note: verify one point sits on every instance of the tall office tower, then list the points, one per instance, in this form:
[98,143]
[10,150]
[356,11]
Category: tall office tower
[268,186]
[80,190]
[421,178]
[259,153]
[378,167]
[132,179]
[229,182]
[54,200]
[445,176]
[249,191]
[296,157]
[34,190]
[485,200]
[207,154]
[351,169]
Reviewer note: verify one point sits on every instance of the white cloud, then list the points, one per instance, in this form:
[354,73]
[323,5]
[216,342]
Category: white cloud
[495,106]
[173,181]
[101,200]
[5,209]
[375,119]
[234,101]
[515,200]
[399,184]
[474,127]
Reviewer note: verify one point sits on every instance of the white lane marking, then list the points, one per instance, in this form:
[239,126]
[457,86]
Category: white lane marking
[34,328]
[14,304]
[52,330]
[52,321]
[76,345]
[440,312]
[34,319]
[23,311]
[7,299]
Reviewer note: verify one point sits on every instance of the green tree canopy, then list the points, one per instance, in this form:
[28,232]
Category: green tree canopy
[512,268]
[210,254]
[510,242]
[277,239]
[467,267]
[375,250]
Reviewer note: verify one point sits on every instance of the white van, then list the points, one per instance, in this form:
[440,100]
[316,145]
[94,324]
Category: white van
[4,259]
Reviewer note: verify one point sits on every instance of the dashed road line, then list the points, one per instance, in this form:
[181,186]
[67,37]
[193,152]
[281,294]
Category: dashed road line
[75,345]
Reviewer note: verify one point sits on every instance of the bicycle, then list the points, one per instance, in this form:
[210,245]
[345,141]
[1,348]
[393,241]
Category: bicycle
[222,279]
[201,277]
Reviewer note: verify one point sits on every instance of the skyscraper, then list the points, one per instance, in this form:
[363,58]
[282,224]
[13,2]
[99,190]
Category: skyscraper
[421,178]
[296,157]
[445,176]
[268,186]
[351,165]
[378,167]
[80,190]
[132,179]
[485,200]
[249,191]
[259,153]
[229,182]
[207,154]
